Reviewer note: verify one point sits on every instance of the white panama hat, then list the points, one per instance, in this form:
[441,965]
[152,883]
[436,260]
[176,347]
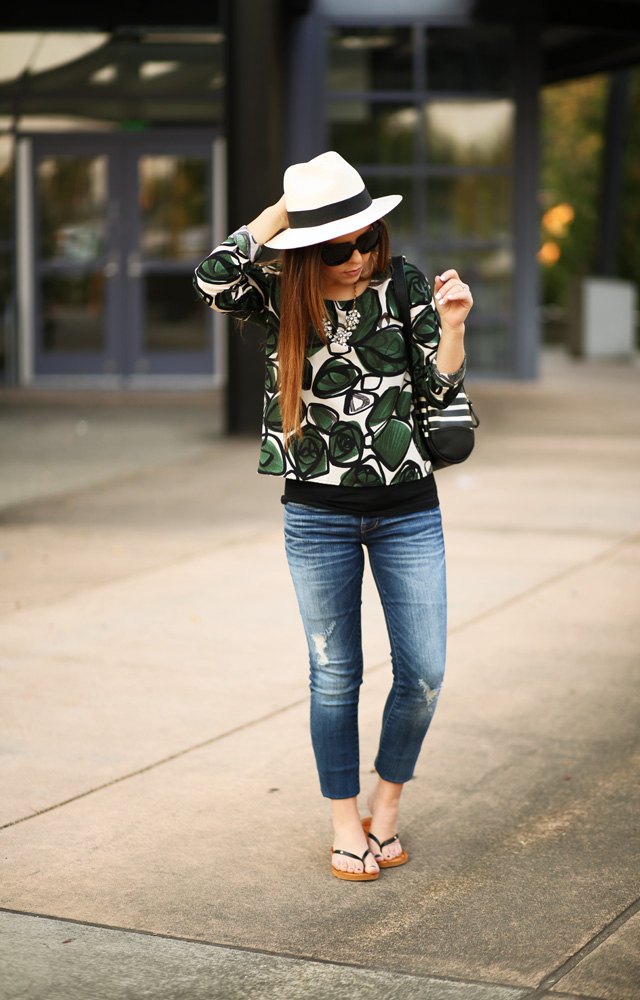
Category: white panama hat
[326,197]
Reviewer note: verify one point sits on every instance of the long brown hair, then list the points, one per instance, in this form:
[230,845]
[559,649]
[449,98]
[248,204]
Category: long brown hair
[302,309]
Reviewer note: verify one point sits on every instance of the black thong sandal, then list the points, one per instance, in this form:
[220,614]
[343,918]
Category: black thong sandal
[362,876]
[385,862]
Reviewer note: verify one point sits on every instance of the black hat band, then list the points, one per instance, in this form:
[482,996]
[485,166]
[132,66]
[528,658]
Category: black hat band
[330,213]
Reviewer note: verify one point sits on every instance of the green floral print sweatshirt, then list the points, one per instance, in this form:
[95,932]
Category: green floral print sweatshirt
[357,418]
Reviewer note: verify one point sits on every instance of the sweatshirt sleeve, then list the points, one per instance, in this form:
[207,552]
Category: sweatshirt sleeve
[230,281]
[438,387]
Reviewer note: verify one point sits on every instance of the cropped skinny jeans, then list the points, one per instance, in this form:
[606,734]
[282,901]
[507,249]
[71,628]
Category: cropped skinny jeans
[325,551]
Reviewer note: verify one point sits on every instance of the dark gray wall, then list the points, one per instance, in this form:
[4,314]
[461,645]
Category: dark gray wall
[254,169]
[526,296]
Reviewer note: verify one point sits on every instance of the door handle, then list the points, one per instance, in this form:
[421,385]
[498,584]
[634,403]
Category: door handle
[134,267]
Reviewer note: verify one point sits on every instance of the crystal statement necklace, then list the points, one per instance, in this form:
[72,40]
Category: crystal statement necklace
[340,334]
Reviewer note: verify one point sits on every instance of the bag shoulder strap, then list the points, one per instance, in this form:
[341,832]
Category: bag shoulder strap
[402,296]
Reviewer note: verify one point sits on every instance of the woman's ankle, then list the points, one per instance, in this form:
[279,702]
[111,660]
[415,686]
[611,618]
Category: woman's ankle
[385,794]
[345,812]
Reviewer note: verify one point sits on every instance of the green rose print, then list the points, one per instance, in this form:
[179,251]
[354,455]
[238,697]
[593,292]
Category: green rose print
[366,475]
[270,377]
[272,342]
[334,378]
[407,473]
[403,406]
[383,353]
[310,455]
[425,323]
[272,461]
[390,444]
[322,416]
[272,415]
[383,408]
[346,443]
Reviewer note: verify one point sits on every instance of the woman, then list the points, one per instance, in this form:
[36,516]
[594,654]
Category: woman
[338,427]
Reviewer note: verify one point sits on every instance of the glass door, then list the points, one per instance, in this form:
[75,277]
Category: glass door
[121,221]
[168,233]
[76,257]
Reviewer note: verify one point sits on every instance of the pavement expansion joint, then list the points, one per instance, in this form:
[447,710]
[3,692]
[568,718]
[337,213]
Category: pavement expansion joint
[621,543]
[224,542]
[159,763]
[456,987]
[554,977]
[172,757]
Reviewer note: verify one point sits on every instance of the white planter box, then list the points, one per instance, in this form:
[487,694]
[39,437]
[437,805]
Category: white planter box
[603,318]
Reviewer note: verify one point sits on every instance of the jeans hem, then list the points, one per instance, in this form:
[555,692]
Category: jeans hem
[394,780]
[341,795]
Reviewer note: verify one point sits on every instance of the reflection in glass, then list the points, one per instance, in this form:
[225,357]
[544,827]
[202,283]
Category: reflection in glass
[370,59]
[72,312]
[175,321]
[43,51]
[6,187]
[83,113]
[469,133]
[372,132]
[468,207]
[154,68]
[72,194]
[105,75]
[6,312]
[469,59]
[401,221]
[173,207]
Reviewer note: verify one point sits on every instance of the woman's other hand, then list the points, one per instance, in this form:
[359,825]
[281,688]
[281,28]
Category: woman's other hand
[453,302]
[453,299]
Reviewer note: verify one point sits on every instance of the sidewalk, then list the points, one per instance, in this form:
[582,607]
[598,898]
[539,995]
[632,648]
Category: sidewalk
[162,830]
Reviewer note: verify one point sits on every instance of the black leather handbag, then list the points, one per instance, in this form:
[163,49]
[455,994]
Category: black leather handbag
[448,434]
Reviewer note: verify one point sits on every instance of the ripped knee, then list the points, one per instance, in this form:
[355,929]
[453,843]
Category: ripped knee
[319,640]
[430,694]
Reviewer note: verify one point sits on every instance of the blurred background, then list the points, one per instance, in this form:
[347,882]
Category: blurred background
[129,147]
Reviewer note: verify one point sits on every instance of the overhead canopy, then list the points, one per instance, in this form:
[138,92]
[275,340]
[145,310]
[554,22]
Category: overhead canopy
[577,37]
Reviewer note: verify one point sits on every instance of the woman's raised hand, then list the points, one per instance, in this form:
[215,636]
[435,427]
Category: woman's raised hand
[268,223]
[282,209]
[453,299]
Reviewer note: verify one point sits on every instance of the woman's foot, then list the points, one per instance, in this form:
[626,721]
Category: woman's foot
[384,803]
[349,836]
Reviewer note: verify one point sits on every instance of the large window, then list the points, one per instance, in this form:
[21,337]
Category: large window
[428,112]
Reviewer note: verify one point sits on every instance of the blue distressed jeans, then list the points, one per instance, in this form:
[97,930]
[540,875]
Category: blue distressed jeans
[325,551]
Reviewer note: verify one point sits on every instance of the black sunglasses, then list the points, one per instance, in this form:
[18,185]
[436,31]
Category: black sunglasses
[338,253]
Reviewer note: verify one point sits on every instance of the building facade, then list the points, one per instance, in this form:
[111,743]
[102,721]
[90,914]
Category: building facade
[126,153]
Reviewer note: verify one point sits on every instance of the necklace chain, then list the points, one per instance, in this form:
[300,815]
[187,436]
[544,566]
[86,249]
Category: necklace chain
[341,334]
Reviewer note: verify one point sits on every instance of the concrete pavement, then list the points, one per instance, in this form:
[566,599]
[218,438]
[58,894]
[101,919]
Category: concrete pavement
[163,834]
